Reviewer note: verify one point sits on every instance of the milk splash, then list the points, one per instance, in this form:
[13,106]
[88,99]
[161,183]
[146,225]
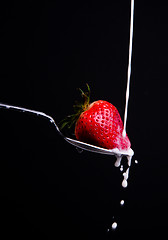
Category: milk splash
[119,154]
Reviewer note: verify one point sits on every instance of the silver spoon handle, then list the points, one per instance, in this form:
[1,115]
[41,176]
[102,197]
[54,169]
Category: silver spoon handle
[37,113]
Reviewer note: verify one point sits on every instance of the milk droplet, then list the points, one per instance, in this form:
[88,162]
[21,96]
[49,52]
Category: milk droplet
[125,174]
[118,161]
[114,225]
[122,202]
[121,168]
[124,183]
[136,161]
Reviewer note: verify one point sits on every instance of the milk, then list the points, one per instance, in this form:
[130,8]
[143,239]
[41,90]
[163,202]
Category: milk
[130,151]
[122,202]
[129,67]
[114,225]
[119,154]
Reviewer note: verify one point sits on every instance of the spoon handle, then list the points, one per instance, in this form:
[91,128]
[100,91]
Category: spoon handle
[37,113]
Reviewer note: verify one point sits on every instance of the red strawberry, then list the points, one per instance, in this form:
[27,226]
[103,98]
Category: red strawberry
[100,124]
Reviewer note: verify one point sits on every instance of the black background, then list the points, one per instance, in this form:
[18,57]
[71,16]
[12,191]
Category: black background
[47,51]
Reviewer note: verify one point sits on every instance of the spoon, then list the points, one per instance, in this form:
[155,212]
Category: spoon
[76,143]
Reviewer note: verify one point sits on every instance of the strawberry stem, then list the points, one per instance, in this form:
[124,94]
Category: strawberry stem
[79,107]
[86,98]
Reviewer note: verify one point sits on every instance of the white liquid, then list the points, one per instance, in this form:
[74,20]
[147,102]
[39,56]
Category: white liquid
[129,67]
[121,168]
[130,152]
[119,154]
[114,225]
[122,202]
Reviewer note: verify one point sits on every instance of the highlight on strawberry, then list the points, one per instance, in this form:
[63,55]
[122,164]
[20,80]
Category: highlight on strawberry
[97,123]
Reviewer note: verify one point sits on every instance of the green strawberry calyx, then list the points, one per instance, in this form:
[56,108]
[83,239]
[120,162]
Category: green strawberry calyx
[79,107]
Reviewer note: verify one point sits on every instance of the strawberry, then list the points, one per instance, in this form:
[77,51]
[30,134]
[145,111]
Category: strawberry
[99,123]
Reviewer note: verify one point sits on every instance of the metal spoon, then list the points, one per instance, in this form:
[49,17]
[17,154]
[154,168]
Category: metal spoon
[76,143]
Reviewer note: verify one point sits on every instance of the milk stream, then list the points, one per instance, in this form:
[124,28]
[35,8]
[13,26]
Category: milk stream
[130,152]
[129,66]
